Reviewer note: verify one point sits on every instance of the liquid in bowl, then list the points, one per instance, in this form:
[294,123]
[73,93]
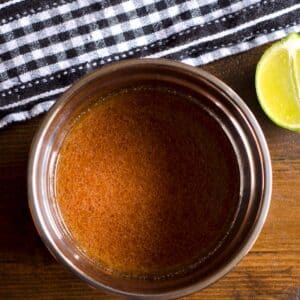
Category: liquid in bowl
[147,182]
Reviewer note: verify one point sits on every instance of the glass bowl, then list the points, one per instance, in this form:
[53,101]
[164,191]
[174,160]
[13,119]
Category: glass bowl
[224,105]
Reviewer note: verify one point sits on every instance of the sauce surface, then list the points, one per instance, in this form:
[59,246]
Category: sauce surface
[147,182]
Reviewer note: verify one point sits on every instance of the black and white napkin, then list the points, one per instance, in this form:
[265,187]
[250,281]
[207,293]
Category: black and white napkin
[47,45]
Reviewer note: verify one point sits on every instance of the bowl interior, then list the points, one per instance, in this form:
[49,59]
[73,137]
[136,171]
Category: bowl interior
[221,103]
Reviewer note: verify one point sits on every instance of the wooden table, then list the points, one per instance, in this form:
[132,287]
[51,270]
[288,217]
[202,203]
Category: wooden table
[270,271]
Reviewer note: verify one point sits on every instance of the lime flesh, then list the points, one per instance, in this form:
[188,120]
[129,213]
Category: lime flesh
[278,82]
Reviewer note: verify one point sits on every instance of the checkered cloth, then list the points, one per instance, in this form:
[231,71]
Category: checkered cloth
[46,45]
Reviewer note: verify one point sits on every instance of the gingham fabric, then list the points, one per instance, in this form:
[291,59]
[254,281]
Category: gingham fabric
[47,45]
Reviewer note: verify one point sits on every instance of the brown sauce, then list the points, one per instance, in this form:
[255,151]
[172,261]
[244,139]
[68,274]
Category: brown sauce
[147,182]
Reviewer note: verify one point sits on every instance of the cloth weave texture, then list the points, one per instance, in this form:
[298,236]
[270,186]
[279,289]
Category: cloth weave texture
[46,45]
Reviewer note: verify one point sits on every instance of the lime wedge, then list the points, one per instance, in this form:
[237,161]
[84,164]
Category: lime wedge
[277,82]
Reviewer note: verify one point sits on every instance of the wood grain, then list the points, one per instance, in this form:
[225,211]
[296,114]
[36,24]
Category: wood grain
[270,271]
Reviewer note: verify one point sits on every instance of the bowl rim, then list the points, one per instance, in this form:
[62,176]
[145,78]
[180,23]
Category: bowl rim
[247,243]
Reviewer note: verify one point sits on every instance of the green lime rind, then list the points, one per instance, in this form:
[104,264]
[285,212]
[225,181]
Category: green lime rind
[274,47]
